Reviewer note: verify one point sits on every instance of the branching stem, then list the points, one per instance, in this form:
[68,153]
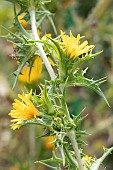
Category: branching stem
[50,70]
[39,45]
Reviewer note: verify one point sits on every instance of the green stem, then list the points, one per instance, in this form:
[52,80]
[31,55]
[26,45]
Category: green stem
[72,137]
[70,134]
[39,45]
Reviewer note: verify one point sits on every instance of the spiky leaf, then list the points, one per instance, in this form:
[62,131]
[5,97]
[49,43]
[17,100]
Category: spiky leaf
[98,162]
[79,80]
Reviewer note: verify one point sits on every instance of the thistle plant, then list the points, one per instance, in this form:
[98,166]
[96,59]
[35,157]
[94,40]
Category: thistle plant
[49,108]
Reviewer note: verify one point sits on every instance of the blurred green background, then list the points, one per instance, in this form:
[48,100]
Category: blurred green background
[94,19]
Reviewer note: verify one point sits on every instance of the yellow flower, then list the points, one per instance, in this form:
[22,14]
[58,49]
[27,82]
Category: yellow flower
[48,142]
[46,36]
[14,46]
[30,75]
[35,73]
[87,159]
[22,21]
[23,110]
[73,47]
[51,62]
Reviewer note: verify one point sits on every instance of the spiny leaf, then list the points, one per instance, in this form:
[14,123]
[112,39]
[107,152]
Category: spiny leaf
[18,71]
[22,30]
[79,116]
[97,163]
[40,21]
[52,23]
[9,37]
[57,48]
[22,3]
[81,142]
[71,158]
[52,167]
[81,133]
[80,80]
[50,19]
[53,159]
[85,59]
[37,121]
[46,99]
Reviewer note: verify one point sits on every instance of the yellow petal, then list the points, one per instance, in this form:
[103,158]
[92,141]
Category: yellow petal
[51,61]
[23,110]
[35,73]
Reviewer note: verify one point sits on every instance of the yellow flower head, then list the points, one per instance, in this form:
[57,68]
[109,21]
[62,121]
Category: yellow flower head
[22,21]
[87,159]
[23,110]
[35,73]
[73,47]
[51,61]
[48,142]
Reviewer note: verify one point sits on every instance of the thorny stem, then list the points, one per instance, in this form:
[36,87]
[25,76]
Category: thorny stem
[72,137]
[70,134]
[39,45]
